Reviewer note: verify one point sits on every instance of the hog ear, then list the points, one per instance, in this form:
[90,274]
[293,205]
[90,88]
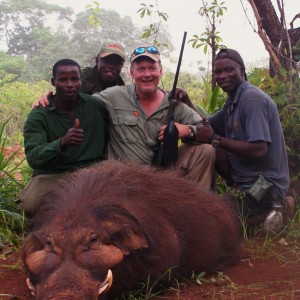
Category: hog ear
[131,239]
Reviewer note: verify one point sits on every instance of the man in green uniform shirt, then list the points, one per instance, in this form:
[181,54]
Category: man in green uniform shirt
[106,73]
[70,133]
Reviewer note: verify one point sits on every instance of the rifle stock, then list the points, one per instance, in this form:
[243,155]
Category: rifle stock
[165,154]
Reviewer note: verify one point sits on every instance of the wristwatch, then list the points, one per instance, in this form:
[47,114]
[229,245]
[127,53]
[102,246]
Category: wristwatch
[215,140]
[192,133]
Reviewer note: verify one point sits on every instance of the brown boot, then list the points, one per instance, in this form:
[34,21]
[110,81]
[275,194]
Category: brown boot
[257,219]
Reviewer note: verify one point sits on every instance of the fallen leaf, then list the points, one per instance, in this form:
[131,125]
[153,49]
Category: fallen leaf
[7,250]
[283,242]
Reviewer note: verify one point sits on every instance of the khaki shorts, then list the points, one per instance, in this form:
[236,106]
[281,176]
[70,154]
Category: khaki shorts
[31,197]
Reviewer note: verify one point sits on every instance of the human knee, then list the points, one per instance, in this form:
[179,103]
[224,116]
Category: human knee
[208,151]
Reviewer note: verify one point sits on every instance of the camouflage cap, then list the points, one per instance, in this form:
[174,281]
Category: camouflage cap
[110,47]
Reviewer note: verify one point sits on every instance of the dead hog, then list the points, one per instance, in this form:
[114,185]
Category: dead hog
[112,226]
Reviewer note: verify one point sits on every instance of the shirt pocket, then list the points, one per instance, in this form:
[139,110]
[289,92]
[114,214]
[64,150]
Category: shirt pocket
[126,128]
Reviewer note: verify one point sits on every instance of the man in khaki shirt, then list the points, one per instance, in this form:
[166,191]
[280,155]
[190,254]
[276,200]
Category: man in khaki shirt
[138,115]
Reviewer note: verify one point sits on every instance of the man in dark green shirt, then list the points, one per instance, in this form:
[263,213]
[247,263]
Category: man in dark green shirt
[70,133]
[106,72]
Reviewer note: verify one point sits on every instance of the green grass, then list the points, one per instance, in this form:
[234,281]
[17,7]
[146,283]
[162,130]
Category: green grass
[11,215]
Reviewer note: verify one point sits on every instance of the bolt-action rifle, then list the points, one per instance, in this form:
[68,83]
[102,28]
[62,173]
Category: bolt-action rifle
[166,152]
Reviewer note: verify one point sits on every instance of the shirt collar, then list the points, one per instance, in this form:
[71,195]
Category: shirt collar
[51,106]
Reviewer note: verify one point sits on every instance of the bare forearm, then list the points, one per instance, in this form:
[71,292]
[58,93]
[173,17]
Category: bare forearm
[243,148]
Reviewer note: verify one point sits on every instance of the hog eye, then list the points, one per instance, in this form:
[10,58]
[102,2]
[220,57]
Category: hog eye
[93,240]
[48,244]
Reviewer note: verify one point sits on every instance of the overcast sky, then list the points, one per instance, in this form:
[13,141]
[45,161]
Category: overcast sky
[235,29]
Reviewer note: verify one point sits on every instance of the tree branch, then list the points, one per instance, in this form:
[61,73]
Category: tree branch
[268,45]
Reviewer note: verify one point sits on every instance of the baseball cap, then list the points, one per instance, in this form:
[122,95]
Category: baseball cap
[149,51]
[110,47]
[231,54]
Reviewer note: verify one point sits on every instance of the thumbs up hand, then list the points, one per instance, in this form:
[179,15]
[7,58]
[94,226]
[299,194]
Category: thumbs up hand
[73,137]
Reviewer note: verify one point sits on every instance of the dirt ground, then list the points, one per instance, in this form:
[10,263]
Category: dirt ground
[269,269]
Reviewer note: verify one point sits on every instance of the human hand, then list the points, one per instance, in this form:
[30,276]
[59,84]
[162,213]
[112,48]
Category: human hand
[181,95]
[204,132]
[74,136]
[43,100]
[183,131]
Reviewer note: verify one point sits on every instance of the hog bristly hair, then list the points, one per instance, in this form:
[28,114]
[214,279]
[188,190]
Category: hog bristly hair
[156,219]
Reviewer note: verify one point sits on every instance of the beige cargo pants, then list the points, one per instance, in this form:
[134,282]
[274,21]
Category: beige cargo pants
[197,163]
[36,189]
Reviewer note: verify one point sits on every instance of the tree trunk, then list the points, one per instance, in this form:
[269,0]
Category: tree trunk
[279,41]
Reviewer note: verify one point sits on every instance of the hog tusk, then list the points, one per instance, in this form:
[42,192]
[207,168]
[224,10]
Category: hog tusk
[30,286]
[107,283]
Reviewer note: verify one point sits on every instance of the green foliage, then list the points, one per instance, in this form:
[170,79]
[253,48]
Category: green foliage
[51,49]
[289,111]
[204,40]
[220,278]
[23,22]
[11,215]
[86,39]
[152,289]
[214,7]
[30,39]
[213,100]
[94,9]
[187,81]
[27,34]
[210,38]
[145,10]
[155,28]
[10,67]
[296,51]
[16,101]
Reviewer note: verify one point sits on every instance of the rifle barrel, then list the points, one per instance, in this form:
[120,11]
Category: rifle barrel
[172,94]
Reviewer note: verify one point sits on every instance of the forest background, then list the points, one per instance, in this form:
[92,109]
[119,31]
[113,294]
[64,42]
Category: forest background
[35,34]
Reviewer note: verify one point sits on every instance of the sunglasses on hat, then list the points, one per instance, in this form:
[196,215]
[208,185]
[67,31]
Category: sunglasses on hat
[141,50]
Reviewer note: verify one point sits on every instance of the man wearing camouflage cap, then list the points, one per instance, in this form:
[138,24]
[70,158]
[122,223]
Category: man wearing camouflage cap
[106,72]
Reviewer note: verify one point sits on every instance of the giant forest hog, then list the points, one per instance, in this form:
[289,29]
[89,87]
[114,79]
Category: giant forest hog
[114,225]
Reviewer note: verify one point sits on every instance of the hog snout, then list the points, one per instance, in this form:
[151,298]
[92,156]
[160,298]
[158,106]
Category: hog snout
[65,291]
